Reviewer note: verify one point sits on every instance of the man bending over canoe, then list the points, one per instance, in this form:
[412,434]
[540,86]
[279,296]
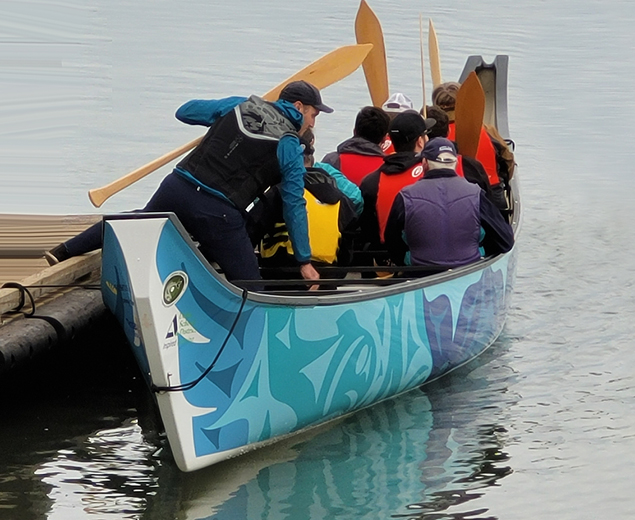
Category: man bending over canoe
[251,145]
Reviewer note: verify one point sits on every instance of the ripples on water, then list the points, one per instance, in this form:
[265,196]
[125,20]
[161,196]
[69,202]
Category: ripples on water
[71,443]
[91,448]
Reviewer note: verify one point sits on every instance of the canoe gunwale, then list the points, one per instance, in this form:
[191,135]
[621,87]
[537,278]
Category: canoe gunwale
[330,299]
[495,76]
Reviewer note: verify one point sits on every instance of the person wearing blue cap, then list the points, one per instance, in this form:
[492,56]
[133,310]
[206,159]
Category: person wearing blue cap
[251,145]
[442,220]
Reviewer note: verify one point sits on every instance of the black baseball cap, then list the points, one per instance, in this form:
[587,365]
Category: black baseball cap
[305,93]
[408,126]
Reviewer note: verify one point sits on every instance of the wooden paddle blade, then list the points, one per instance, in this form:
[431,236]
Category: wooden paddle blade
[368,30]
[470,107]
[329,69]
[435,59]
[323,72]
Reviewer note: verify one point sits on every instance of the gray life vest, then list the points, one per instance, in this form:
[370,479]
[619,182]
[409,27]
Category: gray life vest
[238,155]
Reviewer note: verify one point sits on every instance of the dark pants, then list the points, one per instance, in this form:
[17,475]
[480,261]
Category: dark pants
[217,225]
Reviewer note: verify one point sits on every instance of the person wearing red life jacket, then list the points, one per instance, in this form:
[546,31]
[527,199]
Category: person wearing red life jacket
[361,154]
[467,167]
[487,153]
[408,133]
[395,104]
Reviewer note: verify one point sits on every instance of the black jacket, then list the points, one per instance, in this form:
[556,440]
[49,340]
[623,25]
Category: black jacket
[393,164]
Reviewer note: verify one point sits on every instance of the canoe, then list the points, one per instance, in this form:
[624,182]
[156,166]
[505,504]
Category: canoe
[234,369]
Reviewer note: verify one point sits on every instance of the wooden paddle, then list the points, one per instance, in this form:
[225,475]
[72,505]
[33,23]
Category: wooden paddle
[435,60]
[423,75]
[323,72]
[470,107]
[368,30]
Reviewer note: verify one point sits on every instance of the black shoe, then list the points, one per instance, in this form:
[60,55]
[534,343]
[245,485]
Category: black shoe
[57,254]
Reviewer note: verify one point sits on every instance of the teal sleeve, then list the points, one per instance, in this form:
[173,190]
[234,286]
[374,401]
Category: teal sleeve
[348,188]
[204,112]
[291,163]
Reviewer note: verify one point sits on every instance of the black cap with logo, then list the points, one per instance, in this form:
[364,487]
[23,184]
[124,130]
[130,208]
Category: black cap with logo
[408,126]
[306,93]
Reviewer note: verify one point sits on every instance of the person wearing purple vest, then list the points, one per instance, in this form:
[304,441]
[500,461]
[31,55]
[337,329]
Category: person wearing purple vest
[442,220]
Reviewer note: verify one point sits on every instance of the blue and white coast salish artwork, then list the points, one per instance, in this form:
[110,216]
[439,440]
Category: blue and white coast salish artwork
[285,368]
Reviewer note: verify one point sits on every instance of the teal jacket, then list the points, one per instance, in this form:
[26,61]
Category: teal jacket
[348,188]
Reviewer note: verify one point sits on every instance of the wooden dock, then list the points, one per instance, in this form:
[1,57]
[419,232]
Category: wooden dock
[66,296]
[25,238]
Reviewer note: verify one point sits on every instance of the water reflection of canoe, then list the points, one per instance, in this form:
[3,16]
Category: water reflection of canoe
[418,454]
[246,368]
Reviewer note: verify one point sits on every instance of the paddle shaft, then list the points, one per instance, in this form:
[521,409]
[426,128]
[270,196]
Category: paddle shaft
[423,75]
[99,195]
[323,72]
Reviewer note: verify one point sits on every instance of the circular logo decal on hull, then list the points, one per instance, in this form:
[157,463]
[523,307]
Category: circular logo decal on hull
[174,287]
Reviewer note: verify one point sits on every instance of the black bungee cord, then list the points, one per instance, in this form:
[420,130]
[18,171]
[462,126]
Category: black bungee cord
[188,386]
[24,290]
[177,388]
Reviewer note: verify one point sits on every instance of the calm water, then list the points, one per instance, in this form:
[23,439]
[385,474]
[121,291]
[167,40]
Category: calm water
[542,426]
